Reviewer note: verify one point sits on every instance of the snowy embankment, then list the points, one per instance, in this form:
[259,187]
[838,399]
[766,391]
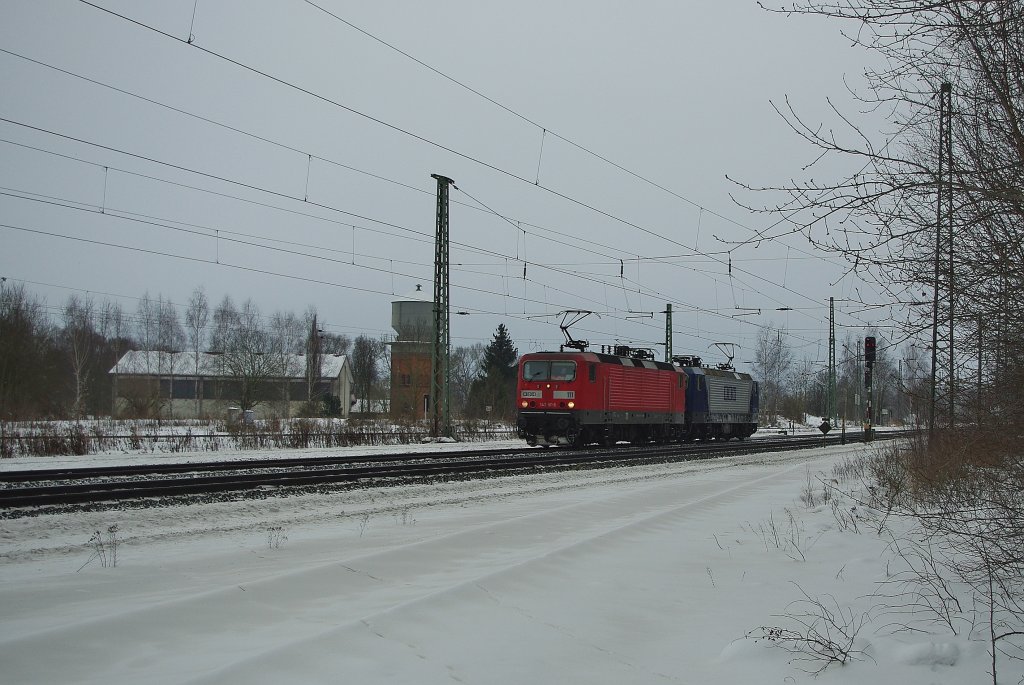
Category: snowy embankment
[663,573]
[113,458]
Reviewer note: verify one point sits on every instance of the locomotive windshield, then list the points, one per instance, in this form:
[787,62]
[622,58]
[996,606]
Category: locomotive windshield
[549,371]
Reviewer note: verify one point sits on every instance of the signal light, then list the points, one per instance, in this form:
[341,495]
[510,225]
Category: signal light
[869,349]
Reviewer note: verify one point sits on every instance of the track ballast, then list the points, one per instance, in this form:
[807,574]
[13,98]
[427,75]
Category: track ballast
[50,487]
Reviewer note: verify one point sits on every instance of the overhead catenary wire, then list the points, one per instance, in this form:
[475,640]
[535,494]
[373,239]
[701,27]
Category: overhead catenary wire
[133,318]
[218,260]
[227,180]
[622,277]
[430,142]
[267,272]
[545,231]
[309,158]
[759,234]
[545,234]
[544,129]
[205,232]
[249,243]
[731,280]
[235,266]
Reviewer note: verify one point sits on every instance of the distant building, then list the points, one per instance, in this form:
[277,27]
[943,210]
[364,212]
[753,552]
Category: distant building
[168,384]
[412,317]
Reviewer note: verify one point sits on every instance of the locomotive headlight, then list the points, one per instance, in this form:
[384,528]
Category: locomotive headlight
[571,405]
[524,404]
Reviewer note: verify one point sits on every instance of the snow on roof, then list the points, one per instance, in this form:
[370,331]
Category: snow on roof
[420,294]
[147,362]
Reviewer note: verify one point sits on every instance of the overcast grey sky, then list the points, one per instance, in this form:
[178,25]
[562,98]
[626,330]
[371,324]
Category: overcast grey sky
[285,155]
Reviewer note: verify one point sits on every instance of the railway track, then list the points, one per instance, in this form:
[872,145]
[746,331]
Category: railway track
[49,487]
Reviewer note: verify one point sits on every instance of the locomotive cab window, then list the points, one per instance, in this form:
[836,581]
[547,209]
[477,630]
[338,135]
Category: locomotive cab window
[536,371]
[549,371]
[563,371]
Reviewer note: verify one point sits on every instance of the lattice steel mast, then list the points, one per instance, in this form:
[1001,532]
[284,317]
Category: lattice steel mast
[830,399]
[440,391]
[943,214]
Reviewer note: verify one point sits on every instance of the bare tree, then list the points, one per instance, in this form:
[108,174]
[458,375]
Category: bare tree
[336,343]
[113,327]
[146,316]
[466,366]
[196,318]
[170,341]
[249,357]
[805,381]
[80,337]
[366,353]
[160,333]
[24,336]
[225,320]
[288,333]
[884,216]
[772,361]
[288,339]
[170,333]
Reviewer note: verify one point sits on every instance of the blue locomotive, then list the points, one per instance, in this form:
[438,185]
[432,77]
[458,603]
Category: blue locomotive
[721,403]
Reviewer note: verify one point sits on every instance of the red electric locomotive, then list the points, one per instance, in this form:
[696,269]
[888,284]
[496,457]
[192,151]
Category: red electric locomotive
[577,397]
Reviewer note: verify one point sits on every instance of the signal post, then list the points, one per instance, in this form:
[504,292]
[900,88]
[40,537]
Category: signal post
[869,364]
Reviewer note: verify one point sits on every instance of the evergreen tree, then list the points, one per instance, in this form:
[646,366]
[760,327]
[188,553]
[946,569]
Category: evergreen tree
[500,356]
[495,386]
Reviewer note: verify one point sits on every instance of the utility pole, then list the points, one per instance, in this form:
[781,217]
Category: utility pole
[440,391]
[947,90]
[860,371]
[668,332]
[869,364]
[944,203]
[830,399]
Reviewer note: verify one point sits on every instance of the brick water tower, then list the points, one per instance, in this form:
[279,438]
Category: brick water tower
[412,317]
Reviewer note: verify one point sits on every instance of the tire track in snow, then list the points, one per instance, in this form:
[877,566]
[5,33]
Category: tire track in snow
[167,638]
[387,624]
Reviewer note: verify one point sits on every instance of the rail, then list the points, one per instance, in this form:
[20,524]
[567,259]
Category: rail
[110,484]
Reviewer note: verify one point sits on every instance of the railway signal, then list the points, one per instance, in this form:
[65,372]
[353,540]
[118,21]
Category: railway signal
[869,359]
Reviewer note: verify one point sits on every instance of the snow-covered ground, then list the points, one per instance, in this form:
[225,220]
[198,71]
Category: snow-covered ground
[663,573]
[129,458]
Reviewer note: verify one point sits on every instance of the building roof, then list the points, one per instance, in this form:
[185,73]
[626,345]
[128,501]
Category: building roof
[420,294]
[151,363]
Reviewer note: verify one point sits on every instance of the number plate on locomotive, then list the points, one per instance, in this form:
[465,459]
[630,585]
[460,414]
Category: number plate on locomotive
[565,394]
[531,393]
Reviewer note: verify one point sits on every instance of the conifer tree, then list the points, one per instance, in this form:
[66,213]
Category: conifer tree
[496,384]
